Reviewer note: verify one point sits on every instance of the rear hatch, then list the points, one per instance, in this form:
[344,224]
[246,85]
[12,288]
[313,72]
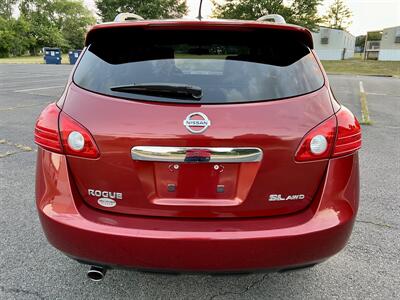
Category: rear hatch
[166,150]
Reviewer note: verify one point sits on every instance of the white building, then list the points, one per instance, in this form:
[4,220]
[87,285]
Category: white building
[333,44]
[390,44]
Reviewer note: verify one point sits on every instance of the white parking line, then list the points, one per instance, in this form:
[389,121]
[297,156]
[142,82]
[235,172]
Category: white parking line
[23,106]
[13,76]
[377,94]
[364,105]
[38,89]
[362,87]
[35,81]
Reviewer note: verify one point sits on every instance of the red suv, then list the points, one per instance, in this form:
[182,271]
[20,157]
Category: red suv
[197,146]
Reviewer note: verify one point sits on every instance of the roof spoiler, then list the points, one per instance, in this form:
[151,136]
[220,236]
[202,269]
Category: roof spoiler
[123,17]
[273,18]
[132,21]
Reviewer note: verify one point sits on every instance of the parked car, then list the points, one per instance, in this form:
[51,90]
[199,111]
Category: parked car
[187,145]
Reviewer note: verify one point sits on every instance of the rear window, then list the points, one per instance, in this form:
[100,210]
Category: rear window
[229,67]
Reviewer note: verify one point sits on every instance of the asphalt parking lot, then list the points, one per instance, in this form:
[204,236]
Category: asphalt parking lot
[368,268]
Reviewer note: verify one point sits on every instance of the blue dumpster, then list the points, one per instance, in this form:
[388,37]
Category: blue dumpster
[52,55]
[73,56]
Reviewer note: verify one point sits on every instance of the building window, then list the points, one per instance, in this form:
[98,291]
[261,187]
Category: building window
[324,41]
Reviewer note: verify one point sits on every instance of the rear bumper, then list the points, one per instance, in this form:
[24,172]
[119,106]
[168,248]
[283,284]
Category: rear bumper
[90,235]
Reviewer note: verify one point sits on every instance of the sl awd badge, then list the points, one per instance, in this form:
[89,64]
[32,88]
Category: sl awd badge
[279,197]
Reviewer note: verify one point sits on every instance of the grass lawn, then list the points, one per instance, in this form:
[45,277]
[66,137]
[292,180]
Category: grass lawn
[362,67]
[30,60]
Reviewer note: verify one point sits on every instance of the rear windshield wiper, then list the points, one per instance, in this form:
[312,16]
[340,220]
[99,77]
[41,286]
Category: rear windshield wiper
[175,90]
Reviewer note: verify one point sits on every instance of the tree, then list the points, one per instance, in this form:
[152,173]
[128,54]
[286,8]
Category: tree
[305,13]
[338,15]
[14,37]
[6,37]
[56,23]
[360,41]
[249,9]
[151,9]
[52,23]
[300,12]
[22,41]
[6,8]
[72,18]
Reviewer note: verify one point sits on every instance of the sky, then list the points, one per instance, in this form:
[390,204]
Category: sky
[371,15]
[368,15]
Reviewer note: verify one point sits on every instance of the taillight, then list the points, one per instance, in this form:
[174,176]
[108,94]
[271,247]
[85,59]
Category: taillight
[57,132]
[318,142]
[46,129]
[76,139]
[348,133]
[337,136]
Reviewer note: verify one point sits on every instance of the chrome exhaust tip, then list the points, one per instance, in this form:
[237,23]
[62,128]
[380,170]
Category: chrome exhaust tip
[96,273]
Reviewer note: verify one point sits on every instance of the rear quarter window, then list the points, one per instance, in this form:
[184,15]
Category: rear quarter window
[229,66]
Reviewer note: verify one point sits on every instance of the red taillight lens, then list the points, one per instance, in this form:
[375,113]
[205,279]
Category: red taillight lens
[58,132]
[337,136]
[46,129]
[348,133]
[318,142]
[76,139]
